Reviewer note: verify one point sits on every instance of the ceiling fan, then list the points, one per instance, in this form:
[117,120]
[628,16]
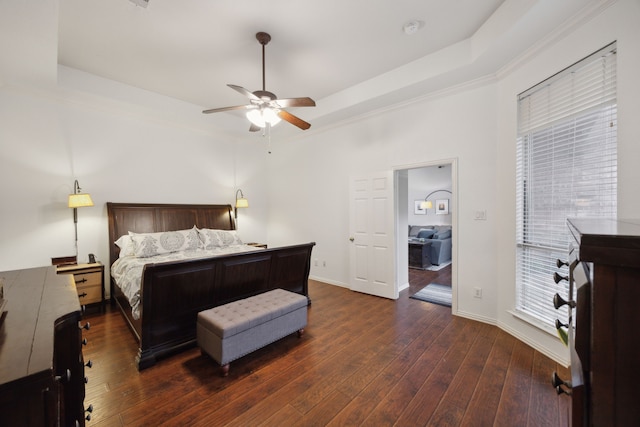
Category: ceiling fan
[264,108]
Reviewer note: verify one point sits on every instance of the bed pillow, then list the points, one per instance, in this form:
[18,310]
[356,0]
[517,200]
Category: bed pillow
[212,239]
[151,244]
[126,246]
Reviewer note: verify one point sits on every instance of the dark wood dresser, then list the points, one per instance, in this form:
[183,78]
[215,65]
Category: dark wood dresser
[604,331]
[41,365]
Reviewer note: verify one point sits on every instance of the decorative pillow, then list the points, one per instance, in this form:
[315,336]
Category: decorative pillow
[126,246]
[443,235]
[150,244]
[218,238]
[426,234]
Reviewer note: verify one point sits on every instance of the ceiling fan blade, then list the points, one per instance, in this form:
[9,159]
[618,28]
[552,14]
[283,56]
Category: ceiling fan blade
[296,121]
[245,92]
[236,107]
[293,102]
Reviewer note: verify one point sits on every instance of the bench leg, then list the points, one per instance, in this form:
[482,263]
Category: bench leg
[300,332]
[224,370]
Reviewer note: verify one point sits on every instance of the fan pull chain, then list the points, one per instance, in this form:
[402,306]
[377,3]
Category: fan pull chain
[269,135]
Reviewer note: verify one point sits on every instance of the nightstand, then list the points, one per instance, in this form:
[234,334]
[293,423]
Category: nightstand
[89,280]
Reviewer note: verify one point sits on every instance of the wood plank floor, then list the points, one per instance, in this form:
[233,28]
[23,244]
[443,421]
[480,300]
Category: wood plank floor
[363,361]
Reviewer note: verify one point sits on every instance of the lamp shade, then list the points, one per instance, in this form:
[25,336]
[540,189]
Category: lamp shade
[80,200]
[426,204]
[242,203]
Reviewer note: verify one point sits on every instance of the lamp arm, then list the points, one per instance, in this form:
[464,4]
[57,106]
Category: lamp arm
[433,192]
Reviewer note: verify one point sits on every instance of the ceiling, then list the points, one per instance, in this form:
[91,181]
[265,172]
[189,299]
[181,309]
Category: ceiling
[351,57]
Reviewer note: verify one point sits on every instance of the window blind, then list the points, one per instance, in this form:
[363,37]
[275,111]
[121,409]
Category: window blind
[566,167]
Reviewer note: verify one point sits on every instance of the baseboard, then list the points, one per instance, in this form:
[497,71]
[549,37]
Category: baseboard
[329,281]
[473,316]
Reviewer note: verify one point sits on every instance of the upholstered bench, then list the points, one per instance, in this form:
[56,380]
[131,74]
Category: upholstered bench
[233,330]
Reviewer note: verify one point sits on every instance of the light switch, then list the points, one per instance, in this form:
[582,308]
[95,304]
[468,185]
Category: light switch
[480,215]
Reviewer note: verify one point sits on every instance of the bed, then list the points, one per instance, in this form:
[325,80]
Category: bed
[172,293]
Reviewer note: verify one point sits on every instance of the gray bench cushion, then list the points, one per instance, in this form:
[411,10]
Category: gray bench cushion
[238,316]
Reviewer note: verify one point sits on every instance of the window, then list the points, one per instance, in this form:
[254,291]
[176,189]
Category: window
[566,167]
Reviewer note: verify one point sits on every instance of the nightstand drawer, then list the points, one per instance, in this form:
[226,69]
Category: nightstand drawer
[88,279]
[89,294]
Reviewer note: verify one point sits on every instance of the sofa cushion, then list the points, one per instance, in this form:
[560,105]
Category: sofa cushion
[426,234]
[443,235]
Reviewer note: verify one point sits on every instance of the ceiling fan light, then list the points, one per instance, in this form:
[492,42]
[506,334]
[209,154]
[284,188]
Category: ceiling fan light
[261,117]
[271,116]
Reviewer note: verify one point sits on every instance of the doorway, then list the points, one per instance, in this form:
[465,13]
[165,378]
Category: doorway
[433,182]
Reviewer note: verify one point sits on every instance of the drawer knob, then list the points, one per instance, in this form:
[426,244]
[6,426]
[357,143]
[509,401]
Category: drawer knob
[560,263]
[84,341]
[89,409]
[560,385]
[89,364]
[558,302]
[86,380]
[82,295]
[558,278]
[86,326]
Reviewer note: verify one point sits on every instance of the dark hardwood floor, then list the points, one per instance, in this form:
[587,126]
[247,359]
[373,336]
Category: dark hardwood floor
[363,361]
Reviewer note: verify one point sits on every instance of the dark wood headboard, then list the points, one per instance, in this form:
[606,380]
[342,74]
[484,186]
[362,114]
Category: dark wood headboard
[152,218]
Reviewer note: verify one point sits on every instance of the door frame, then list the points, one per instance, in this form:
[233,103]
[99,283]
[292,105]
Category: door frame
[401,210]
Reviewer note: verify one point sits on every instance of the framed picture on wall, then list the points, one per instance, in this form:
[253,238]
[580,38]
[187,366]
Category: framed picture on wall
[442,207]
[418,208]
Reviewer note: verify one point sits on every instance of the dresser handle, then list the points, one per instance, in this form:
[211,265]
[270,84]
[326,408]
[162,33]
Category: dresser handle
[86,326]
[82,295]
[81,280]
[560,263]
[561,325]
[89,364]
[84,341]
[66,377]
[557,278]
[558,302]
[559,384]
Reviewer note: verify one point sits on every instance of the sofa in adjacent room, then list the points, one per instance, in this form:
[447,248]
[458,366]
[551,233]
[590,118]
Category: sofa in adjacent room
[440,238]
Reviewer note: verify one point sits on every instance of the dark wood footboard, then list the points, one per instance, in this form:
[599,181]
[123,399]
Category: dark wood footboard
[172,294]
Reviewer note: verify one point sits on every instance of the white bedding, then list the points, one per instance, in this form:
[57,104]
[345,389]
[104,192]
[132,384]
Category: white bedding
[127,270]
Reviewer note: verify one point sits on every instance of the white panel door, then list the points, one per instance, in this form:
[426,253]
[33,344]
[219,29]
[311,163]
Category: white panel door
[372,253]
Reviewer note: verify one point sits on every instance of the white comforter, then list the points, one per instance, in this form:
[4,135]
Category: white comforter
[127,271]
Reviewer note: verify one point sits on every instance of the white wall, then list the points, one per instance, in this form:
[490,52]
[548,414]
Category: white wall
[476,126]
[318,166]
[618,22]
[120,152]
